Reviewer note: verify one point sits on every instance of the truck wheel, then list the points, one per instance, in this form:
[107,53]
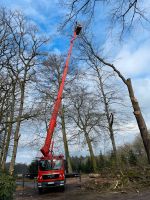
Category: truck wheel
[40,190]
[62,188]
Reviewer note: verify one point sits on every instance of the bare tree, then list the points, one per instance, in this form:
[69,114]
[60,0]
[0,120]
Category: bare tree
[108,91]
[88,47]
[20,54]
[63,124]
[7,84]
[122,14]
[86,114]
[28,48]
[107,98]
[9,125]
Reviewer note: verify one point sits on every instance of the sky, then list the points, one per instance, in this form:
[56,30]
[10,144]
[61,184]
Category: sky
[130,56]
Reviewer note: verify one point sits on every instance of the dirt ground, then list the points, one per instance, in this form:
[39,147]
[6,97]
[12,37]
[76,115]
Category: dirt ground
[74,191]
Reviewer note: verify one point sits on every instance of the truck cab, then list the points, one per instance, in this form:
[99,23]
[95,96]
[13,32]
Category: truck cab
[51,173]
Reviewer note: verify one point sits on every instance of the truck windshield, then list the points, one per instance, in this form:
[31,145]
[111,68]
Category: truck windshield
[45,165]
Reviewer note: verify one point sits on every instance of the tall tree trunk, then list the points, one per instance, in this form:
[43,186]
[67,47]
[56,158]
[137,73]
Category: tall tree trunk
[65,140]
[16,135]
[3,141]
[9,129]
[109,117]
[93,160]
[113,145]
[140,120]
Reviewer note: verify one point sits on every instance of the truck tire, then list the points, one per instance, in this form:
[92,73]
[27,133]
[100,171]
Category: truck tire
[40,190]
[62,188]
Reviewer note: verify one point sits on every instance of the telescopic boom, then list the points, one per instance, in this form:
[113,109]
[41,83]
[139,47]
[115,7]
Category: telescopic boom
[52,123]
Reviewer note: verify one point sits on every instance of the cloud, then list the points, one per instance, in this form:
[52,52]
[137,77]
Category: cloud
[134,62]
[44,12]
[25,156]
[142,92]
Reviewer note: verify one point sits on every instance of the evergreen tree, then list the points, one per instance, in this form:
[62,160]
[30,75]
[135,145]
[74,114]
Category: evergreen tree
[33,168]
[132,158]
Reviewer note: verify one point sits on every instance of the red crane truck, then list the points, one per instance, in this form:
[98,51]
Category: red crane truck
[51,169]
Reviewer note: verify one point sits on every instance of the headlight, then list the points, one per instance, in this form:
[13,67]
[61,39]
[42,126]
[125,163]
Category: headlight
[61,181]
